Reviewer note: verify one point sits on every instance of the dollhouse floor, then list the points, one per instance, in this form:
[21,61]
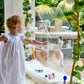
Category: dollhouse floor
[67,69]
[40,77]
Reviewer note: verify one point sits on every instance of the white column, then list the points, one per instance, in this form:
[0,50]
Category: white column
[15,7]
[12,7]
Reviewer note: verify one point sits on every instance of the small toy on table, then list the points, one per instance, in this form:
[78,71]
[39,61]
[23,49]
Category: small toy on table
[39,70]
[29,58]
[65,78]
[50,76]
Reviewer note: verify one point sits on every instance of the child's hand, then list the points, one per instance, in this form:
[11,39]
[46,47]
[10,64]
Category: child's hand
[45,43]
[3,38]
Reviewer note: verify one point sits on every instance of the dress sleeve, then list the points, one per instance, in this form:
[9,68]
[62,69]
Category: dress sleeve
[22,36]
[5,34]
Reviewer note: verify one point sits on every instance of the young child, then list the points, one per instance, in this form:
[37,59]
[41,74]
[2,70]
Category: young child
[12,55]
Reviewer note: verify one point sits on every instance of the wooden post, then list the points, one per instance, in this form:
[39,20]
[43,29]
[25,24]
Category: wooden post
[33,53]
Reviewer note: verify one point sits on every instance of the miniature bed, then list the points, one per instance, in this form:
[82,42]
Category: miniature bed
[39,77]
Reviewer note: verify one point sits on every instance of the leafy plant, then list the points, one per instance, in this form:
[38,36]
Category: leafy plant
[50,3]
[79,49]
[28,19]
[81,18]
[70,15]
[26,9]
[2,27]
[2,16]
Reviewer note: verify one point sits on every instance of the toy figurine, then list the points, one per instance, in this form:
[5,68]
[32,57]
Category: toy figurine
[38,70]
[46,76]
[65,78]
[50,76]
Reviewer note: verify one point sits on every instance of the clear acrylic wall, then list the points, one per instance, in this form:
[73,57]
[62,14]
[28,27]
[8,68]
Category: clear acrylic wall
[56,57]
[51,25]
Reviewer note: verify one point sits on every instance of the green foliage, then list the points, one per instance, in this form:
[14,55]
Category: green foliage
[26,8]
[28,19]
[77,71]
[70,15]
[51,3]
[1,4]
[40,2]
[78,5]
[81,18]
[77,53]
[74,25]
[76,74]
[2,28]
[78,68]
[25,3]
[81,36]
[30,33]
[2,16]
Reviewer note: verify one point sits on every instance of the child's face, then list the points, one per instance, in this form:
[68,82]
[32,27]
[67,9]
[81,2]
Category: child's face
[21,26]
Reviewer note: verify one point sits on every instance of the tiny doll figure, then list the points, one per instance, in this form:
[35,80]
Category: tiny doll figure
[50,76]
[12,69]
[65,78]
[59,56]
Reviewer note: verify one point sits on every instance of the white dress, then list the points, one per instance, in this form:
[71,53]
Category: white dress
[12,69]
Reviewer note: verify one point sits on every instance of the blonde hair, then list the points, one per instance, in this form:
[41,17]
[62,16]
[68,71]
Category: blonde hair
[12,21]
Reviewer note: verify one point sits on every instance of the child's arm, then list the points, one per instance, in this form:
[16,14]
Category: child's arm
[3,38]
[34,42]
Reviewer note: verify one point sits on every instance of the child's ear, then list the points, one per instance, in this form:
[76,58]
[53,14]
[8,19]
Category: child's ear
[17,26]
